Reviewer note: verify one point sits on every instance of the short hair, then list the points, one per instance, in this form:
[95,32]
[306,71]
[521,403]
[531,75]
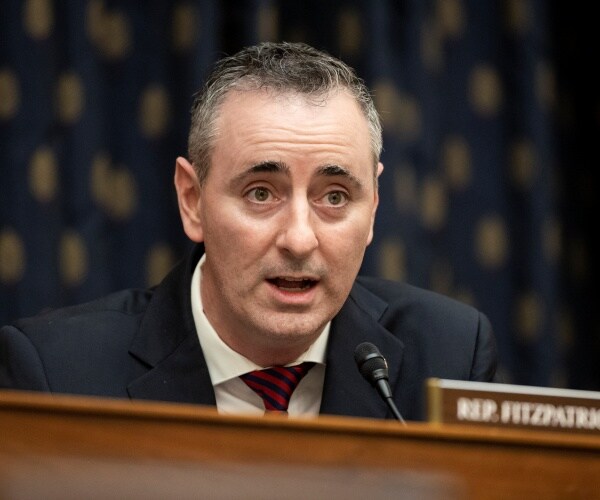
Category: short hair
[281,67]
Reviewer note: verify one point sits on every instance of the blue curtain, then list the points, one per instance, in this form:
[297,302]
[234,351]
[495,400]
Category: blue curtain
[487,192]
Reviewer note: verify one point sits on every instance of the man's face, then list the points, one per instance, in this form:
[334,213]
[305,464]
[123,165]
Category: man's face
[285,214]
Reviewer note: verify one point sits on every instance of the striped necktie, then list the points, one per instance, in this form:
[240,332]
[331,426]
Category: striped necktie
[276,384]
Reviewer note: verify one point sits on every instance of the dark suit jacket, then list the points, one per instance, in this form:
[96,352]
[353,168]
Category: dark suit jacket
[142,344]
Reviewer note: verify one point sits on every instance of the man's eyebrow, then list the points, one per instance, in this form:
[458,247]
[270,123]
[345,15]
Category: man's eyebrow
[264,166]
[280,167]
[338,171]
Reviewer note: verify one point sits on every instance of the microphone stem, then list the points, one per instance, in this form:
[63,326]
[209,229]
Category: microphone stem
[393,407]
[383,387]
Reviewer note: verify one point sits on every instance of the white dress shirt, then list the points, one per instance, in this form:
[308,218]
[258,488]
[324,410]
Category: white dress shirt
[226,365]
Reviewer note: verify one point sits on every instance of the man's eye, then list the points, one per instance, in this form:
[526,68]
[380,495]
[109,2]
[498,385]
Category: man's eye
[336,198]
[258,194]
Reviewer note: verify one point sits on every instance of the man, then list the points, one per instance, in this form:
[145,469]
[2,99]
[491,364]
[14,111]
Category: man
[280,193]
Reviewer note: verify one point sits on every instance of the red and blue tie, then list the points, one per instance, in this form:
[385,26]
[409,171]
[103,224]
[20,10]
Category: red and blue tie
[275,385]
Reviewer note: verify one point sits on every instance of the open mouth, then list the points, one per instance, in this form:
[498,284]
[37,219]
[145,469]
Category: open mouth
[293,284]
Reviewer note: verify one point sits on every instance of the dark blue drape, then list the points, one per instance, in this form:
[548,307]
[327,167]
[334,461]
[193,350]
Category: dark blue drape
[489,111]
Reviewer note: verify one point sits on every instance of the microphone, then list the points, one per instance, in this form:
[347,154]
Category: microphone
[373,367]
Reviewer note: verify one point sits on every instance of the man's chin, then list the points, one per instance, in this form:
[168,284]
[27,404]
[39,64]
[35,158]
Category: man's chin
[293,331]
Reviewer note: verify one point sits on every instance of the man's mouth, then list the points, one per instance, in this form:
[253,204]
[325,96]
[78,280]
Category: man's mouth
[293,284]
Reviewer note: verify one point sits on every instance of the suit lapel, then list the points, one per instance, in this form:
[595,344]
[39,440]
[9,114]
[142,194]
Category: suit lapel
[345,391]
[168,344]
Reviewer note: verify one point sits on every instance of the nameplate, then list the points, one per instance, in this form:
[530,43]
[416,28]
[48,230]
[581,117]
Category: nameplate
[505,405]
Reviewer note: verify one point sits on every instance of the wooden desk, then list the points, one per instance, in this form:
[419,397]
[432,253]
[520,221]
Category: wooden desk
[80,447]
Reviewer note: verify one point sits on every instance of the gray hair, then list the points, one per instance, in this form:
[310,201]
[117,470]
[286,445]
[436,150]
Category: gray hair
[281,67]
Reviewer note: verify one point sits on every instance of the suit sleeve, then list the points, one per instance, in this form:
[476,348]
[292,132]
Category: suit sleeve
[485,356]
[20,364]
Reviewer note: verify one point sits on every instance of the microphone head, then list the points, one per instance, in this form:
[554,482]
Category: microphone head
[371,363]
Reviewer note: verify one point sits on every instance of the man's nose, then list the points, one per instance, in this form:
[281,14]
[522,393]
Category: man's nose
[297,235]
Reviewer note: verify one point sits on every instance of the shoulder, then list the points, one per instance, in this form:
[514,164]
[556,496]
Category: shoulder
[81,349]
[423,317]
[409,298]
[111,313]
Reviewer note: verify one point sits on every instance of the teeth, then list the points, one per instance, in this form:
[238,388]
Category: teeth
[292,283]
[304,286]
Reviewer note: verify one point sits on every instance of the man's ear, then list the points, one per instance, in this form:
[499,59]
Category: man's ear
[375,203]
[188,198]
